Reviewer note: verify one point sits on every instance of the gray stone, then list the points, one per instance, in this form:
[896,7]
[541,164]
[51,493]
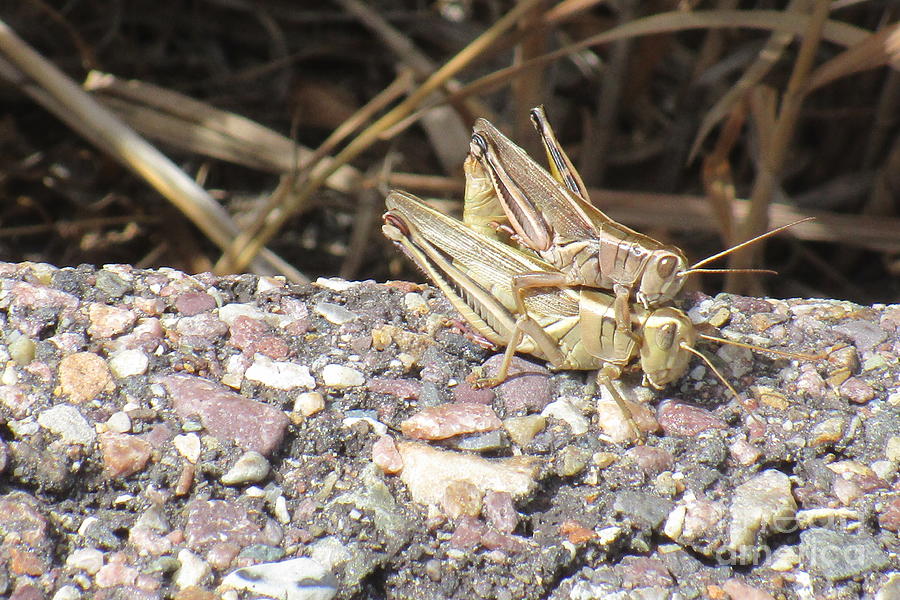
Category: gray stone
[837,556]
[643,508]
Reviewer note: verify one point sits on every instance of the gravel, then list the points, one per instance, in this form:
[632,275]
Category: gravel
[170,435]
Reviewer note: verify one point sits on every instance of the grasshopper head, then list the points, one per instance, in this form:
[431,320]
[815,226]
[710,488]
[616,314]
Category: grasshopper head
[663,359]
[662,277]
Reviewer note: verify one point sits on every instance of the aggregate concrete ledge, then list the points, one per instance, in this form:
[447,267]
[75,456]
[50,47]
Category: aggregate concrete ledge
[167,435]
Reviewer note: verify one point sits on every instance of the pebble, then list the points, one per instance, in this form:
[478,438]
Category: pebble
[464,392]
[68,423]
[892,449]
[115,574]
[309,403]
[210,524]
[226,414]
[193,570]
[528,387]
[744,453]
[113,284]
[403,389]
[21,348]
[838,556]
[446,420]
[194,303]
[428,471]
[521,430]
[857,391]
[294,579]
[127,363]
[695,519]
[415,302]
[645,509]
[251,467]
[386,456]
[230,312]
[652,460]
[567,413]
[334,313]
[615,424]
[461,498]
[108,321]
[865,335]
[340,377]
[686,420]
[736,588]
[123,455]
[889,516]
[827,432]
[281,375]
[119,422]
[500,512]
[189,446]
[88,560]
[83,376]
[571,460]
[644,572]
[490,441]
[67,592]
[762,504]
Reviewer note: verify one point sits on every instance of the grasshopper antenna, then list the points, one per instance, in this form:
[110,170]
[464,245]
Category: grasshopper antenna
[781,353]
[714,257]
[718,373]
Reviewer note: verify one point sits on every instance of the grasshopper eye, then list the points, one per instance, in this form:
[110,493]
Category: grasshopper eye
[666,266]
[479,145]
[397,222]
[665,336]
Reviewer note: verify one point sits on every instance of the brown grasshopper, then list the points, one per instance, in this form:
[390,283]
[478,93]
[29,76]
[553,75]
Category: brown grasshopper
[570,327]
[552,216]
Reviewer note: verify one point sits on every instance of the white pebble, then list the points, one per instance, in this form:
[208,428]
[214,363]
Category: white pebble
[193,570]
[87,559]
[65,421]
[188,445]
[127,363]
[339,376]
[564,411]
[119,422]
[281,375]
[334,313]
[309,403]
[281,511]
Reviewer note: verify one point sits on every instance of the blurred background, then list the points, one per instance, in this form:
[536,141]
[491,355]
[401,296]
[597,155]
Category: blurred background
[237,135]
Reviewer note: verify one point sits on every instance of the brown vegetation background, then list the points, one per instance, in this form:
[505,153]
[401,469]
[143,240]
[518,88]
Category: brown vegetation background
[231,135]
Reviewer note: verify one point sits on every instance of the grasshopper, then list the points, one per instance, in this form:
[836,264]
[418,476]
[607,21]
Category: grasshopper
[553,216]
[570,327]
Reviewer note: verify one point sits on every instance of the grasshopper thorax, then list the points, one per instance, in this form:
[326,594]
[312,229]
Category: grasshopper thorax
[662,276]
[666,332]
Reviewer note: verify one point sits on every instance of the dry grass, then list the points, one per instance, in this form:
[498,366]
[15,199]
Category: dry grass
[273,131]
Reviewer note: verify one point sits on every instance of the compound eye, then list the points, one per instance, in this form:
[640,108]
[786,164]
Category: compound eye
[665,336]
[479,144]
[666,266]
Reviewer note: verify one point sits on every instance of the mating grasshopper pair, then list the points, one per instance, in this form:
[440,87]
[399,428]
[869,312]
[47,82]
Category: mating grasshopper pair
[546,299]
